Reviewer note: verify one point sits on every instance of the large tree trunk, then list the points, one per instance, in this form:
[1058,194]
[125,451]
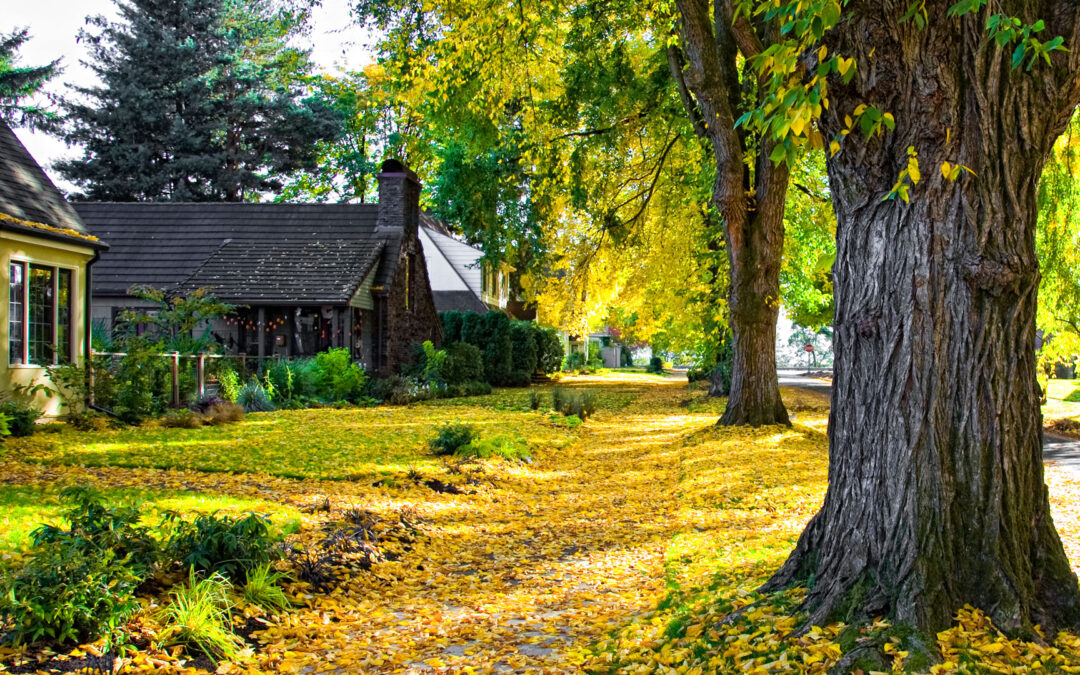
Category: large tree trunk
[755,255]
[754,225]
[936,496]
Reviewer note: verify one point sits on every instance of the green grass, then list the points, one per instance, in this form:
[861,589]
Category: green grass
[25,507]
[348,444]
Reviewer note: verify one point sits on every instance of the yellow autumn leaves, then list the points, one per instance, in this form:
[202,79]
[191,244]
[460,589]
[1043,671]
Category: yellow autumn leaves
[632,544]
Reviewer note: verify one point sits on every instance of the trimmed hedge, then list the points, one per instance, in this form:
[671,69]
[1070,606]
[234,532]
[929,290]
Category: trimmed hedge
[510,351]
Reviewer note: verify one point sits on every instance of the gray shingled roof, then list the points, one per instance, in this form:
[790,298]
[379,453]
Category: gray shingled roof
[310,272]
[27,193]
[162,244]
[458,301]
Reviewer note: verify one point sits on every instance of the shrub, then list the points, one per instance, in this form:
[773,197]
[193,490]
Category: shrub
[228,384]
[182,419]
[231,546]
[534,400]
[95,528]
[263,588]
[464,363]
[72,383]
[656,365]
[381,388]
[499,446]
[549,350]
[596,360]
[5,428]
[558,399]
[22,417]
[197,616]
[477,388]
[143,382]
[88,421]
[581,405]
[451,324]
[575,361]
[254,397]
[450,438]
[523,351]
[338,378]
[204,402]
[223,413]
[63,595]
[519,378]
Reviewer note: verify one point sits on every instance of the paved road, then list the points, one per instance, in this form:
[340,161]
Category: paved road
[1065,452]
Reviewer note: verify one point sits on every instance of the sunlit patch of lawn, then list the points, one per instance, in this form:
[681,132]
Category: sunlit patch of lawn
[330,444]
[25,507]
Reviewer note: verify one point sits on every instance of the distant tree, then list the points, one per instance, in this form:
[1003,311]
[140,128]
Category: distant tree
[200,100]
[18,82]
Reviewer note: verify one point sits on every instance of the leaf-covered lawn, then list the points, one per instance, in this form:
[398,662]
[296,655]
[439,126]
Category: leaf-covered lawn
[354,443]
[619,549]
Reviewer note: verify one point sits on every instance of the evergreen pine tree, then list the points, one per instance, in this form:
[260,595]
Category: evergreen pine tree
[18,82]
[201,100]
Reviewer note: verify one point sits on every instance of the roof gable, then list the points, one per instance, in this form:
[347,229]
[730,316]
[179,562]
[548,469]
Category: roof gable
[28,199]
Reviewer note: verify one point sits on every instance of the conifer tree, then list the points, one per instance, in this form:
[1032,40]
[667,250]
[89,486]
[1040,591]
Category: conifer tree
[200,100]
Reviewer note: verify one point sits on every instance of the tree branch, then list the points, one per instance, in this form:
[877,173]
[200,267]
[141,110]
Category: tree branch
[677,63]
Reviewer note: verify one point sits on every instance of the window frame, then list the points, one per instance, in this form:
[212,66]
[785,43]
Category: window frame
[72,331]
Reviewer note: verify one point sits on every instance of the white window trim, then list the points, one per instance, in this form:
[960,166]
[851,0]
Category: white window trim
[27,262]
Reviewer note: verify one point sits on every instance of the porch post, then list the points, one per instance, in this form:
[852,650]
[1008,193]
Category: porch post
[260,327]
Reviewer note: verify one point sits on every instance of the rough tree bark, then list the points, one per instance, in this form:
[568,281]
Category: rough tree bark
[753,218]
[936,495]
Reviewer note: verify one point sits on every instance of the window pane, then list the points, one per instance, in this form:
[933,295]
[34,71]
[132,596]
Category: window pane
[16,310]
[41,326]
[63,317]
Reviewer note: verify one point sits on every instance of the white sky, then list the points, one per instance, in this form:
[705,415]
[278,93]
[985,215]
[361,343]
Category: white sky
[337,44]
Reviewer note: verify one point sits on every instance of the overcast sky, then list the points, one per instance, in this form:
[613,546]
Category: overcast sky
[337,44]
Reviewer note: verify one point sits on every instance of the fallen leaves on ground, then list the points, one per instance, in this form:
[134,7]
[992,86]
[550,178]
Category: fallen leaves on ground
[634,543]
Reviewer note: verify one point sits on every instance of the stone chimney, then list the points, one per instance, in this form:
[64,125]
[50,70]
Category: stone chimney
[399,199]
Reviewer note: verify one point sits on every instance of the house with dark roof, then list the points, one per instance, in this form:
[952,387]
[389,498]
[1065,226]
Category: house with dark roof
[304,277]
[47,256]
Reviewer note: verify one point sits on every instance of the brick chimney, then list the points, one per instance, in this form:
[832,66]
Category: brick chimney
[399,199]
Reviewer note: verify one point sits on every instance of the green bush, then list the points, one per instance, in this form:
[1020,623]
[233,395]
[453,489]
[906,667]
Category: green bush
[143,382]
[22,417]
[64,595]
[5,428]
[338,379]
[464,363]
[451,324]
[523,351]
[228,384]
[198,616]
[231,546]
[450,438]
[505,447]
[656,365]
[95,527]
[534,400]
[576,361]
[581,405]
[79,583]
[253,397]
[549,350]
[498,349]
[476,388]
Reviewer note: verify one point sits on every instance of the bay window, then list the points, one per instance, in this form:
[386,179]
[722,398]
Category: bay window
[39,314]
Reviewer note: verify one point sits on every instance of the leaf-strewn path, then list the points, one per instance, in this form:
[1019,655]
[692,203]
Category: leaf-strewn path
[527,574]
